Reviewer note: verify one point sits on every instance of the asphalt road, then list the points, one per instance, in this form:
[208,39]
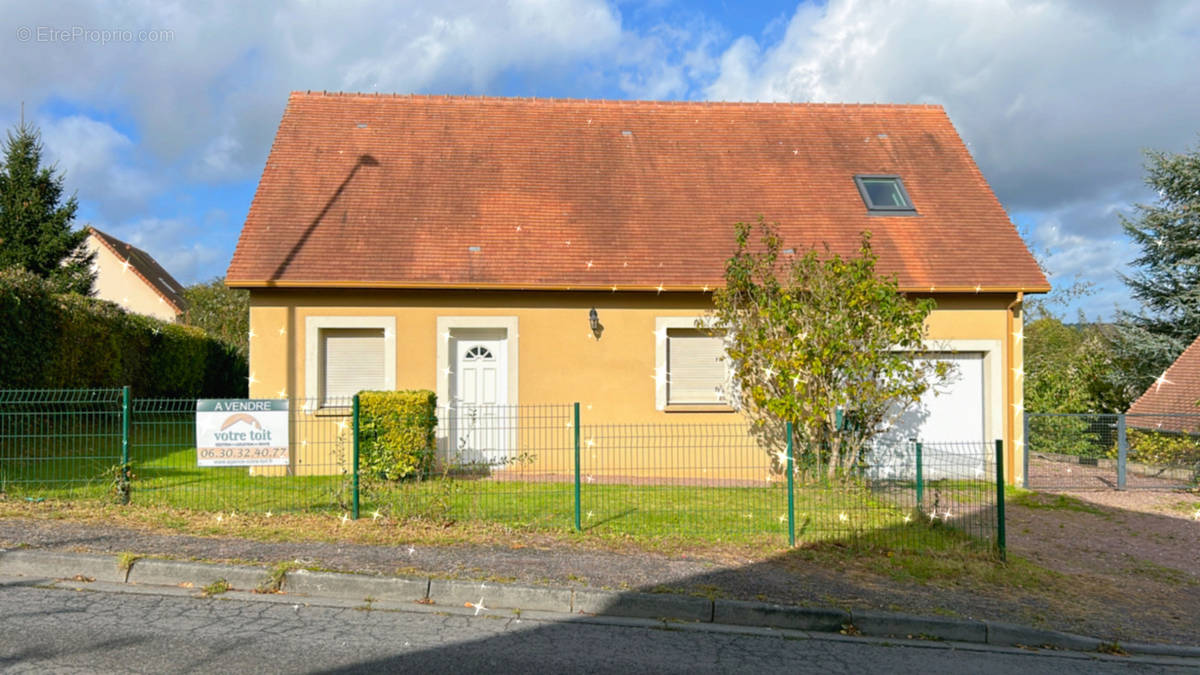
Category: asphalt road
[53,630]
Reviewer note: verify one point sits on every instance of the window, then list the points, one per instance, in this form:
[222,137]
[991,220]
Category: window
[696,372]
[316,385]
[884,194]
[352,360]
[478,354]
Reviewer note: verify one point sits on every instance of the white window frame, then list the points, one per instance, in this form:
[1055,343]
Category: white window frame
[313,326]
[662,370]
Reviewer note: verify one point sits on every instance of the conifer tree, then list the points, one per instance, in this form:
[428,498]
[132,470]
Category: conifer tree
[1167,278]
[36,230]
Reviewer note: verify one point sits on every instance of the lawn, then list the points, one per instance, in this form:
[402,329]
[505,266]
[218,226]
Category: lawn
[164,474]
[732,514]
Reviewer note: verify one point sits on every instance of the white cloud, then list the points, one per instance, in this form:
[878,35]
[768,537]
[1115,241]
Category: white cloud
[92,155]
[179,245]
[668,60]
[212,94]
[220,158]
[1074,255]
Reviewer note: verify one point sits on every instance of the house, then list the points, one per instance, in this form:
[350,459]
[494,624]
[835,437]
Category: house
[460,244]
[1170,403]
[133,279]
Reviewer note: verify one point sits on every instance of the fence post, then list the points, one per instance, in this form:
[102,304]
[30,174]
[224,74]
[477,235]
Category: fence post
[1001,545]
[1122,451]
[354,454]
[920,479]
[125,404]
[578,524]
[1025,447]
[791,487]
[123,476]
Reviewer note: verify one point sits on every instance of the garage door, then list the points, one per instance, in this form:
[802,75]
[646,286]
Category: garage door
[952,412]
[948,421]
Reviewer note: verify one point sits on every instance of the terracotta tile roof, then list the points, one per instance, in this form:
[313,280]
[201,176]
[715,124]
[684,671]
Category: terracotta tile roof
[435,191]
[146,267]
[1176,391]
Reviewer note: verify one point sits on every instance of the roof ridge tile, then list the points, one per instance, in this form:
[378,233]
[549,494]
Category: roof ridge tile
[482,98]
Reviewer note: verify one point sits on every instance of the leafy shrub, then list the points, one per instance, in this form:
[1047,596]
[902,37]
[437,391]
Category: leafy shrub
[1161,448]
[220,311]
[1082,436]
[71,341]
[396,433]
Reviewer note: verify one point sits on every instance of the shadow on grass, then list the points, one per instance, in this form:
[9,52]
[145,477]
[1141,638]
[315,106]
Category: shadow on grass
[615,516]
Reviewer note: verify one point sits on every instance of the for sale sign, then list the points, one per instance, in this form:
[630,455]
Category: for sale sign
[241,432]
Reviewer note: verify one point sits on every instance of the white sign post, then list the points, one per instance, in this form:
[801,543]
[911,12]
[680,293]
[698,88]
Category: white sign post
[241,432]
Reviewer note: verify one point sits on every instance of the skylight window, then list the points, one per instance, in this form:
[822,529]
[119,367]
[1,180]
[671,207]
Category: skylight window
[884,194]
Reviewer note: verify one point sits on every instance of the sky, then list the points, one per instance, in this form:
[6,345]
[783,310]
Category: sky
[160,114]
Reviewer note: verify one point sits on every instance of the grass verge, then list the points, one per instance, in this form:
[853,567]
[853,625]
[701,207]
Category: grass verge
[715,514]
[1042,500]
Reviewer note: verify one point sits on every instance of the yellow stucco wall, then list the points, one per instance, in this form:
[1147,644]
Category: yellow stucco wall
[116,283]
[559,361]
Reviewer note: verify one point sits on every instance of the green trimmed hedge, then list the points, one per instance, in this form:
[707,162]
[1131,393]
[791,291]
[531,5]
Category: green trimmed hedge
[396,433]
[70,341]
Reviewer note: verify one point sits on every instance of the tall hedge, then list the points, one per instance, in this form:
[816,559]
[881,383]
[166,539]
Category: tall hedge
[396,433]
[70,341]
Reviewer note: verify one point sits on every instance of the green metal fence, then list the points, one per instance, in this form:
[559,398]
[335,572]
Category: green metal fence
[59,443]
[504,464]
[530,466]
[163,453]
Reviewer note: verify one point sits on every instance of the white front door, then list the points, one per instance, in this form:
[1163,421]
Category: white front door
[479,396]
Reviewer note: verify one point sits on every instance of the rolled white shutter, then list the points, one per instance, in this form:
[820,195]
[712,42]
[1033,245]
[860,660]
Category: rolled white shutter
[353,362]
[695,370]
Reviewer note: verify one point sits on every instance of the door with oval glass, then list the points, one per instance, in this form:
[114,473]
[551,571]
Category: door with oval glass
[479,397]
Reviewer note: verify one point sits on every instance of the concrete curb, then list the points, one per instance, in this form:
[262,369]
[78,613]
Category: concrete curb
[881,624]
[499,596]
[655,610]
[156,572]
[33,563]
[355,586]
[643,605]
[741,613]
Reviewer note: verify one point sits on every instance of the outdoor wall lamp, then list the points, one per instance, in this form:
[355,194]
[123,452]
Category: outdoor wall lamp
[594,322]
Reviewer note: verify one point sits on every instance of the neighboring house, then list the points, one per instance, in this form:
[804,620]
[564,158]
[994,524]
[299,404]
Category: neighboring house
[459,244]
[1170,404]
[132,278]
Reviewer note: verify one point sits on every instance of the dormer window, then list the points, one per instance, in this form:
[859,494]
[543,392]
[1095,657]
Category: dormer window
[884,194]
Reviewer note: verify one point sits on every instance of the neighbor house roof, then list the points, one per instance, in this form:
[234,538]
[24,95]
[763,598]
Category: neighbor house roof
[1171,400]
[440,191]
[146,267]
